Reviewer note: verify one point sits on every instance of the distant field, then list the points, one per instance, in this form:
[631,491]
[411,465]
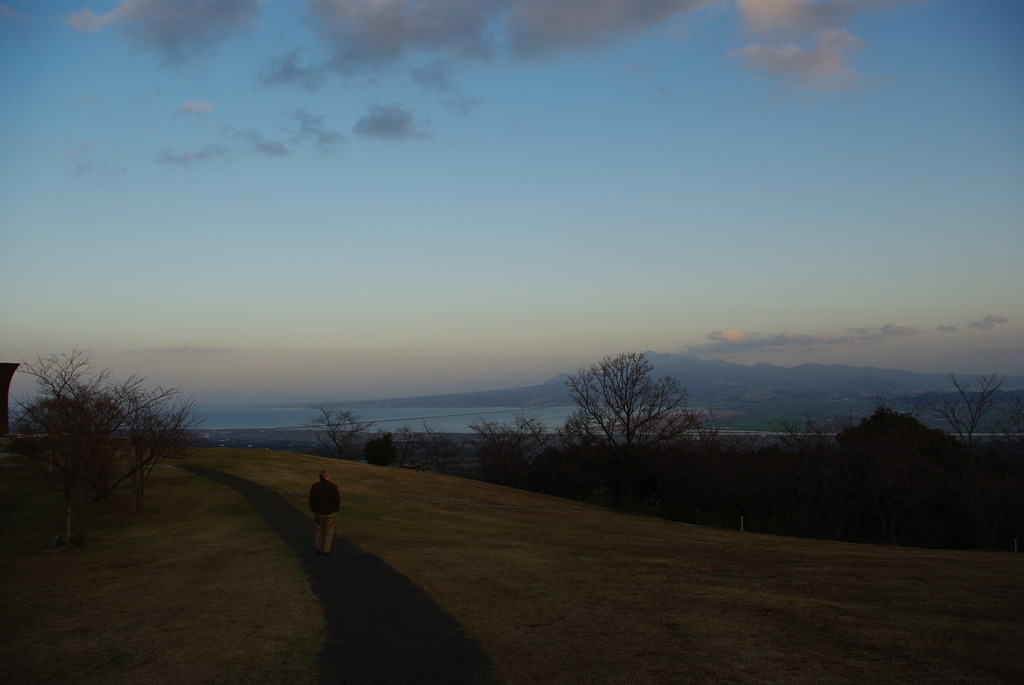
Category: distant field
[767,416]
[198,590]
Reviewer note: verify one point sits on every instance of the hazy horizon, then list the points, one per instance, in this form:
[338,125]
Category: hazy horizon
[334,198]
[281,391]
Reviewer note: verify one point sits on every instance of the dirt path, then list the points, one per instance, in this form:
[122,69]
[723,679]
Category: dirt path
[381,628]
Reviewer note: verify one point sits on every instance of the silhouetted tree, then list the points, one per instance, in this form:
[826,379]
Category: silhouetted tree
[899,467]
[823,497]
[965,413]
[985,483]
[405,444]
[340,432]
[1010,425]
[381,450]
[161,426]
[506,449]
[627,413]
[441,452]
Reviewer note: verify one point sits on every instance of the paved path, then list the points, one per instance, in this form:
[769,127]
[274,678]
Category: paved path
[381,628]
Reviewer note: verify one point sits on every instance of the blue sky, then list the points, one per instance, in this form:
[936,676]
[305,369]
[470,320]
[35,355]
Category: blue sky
[393,197]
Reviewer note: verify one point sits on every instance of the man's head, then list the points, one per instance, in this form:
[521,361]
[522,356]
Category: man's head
[325,475]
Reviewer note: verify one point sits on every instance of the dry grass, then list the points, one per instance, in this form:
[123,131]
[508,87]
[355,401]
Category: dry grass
[196,589]
[559,592]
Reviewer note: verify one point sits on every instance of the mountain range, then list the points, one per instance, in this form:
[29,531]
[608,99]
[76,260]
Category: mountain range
[719,383]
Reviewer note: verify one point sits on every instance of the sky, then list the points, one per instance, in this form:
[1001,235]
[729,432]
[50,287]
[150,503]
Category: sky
[307,200]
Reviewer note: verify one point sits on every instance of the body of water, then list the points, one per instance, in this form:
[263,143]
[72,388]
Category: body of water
[450,420]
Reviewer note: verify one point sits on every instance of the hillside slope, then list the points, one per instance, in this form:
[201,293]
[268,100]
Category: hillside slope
[560,592]
[556,591]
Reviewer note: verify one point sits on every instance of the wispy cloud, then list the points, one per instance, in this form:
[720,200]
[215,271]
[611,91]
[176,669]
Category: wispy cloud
[806,41]
[899,329]
[287,71]
[989,321]
[258,143]
[302,128]
[81,156]
[183,157]
[178,31]
[196,108]
[9,14]
[802,17]
[367,35]
[542,26]
[823,65]
[732,340]
[311,127]
[389,122]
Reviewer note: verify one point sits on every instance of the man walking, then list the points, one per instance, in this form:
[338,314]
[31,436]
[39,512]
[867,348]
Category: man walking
[324,502]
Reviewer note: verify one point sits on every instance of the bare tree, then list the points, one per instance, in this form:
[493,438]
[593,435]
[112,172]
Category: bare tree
[162,426]
[507,448]
[823,484]
[85,433]
[441,451]
[985,487]
[406,444]
[627,413]
[965,413]
[1011,423]
[340,432]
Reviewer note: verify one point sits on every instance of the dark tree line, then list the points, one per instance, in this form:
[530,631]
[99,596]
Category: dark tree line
[889,478]
[634,443]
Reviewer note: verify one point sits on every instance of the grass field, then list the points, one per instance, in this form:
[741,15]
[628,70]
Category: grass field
[198,590]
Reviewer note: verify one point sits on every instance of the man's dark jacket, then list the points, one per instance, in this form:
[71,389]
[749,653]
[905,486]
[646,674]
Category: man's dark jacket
[324,498]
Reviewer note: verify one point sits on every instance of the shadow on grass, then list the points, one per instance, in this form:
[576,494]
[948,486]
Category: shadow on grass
[381,628]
